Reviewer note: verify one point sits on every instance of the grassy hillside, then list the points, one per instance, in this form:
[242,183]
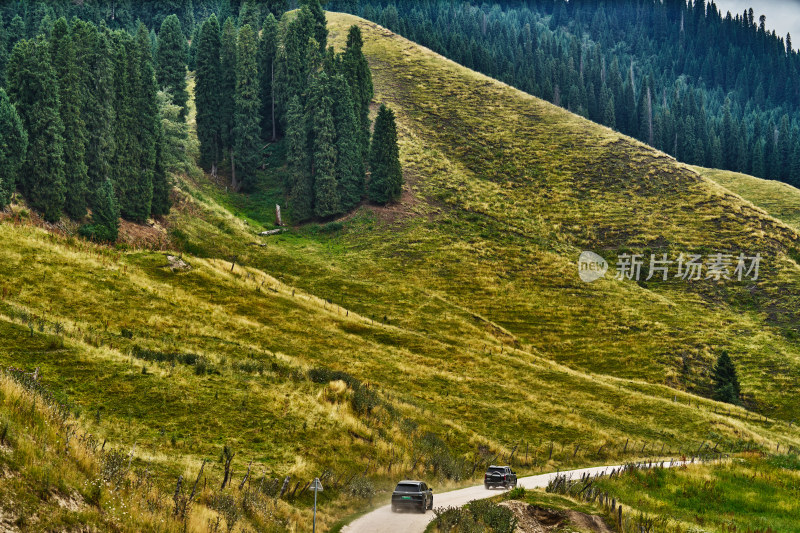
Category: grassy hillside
[779,199]
[428,338]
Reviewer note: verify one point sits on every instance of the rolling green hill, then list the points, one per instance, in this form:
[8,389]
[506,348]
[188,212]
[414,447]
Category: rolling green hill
[426,338]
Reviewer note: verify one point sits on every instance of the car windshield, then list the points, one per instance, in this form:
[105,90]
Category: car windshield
[496,471]
[407,487]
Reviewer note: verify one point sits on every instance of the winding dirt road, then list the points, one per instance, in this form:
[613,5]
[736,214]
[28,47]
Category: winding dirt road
[383,520]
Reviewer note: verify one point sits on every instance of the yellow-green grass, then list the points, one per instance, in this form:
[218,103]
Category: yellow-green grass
[748,493]
[51,478]
[779,199]
[460,307]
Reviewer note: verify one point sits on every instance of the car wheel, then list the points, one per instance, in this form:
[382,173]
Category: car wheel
[394,508]
[422,508]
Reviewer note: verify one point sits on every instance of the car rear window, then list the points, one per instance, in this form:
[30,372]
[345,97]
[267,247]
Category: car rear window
[497,471]
[407,487]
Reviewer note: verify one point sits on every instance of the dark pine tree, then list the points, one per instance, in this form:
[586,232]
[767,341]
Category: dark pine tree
[320,23]
[227,91]
[386,179]
[349,159]
[13,146]
[726,380]
[105,216]
[94,58]
[267,52]
[300,183]
[33,90]
[247,129]
[356,72]
[71,100]
[322,136]
[171,61]
[293,63]
[207,97]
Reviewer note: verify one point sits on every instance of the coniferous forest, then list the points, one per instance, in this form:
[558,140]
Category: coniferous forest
[709,88]
[94,105]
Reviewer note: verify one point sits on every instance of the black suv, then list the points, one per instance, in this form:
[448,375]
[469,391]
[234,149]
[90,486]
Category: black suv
[413,494]
[499,476]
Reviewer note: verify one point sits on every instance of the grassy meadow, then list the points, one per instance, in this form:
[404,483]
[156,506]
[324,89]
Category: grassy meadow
[748,493]
[425,339]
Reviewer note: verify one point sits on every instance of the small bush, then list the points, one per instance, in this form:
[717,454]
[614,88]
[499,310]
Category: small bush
[331,227]
[517,493]
[115,468]
[361,487]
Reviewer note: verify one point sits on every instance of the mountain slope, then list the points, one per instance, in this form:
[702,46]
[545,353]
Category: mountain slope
[780,200]
[430,337]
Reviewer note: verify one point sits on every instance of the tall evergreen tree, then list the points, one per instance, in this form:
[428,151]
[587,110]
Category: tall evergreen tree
[13,146]
[320,23]
[386,179]
[294,61]
[322,144]
[94,58]
[227,88]
[33,90]
[123,166]
[349,160]
[247,129]
[138,129]
[357,73]
[207,94]
[171,61]
[250,14]
[267,52]
[71,100]
[149,130]
[726,380]
[3,52]
[300,183]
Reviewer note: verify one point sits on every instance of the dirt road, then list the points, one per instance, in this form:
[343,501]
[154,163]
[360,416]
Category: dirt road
[383,520]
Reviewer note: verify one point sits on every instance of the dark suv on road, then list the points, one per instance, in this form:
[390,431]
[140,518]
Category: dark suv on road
[499,476]
[412,494]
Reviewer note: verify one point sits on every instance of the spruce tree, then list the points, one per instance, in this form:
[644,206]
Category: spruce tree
[3,52]
[149,130]
[349,160]
[267,52]
[13,146]
[247,129]
[726,380]
[138,129]
[322,137]
[71,100]
[250,14]
[320,23]
[171,61]
[105,216]
[386,179]
[207,97]
[356,72]
[33,89]
[124,164]
[162,203]
[300,183]
[294,61]
[227,90]
[94,58]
